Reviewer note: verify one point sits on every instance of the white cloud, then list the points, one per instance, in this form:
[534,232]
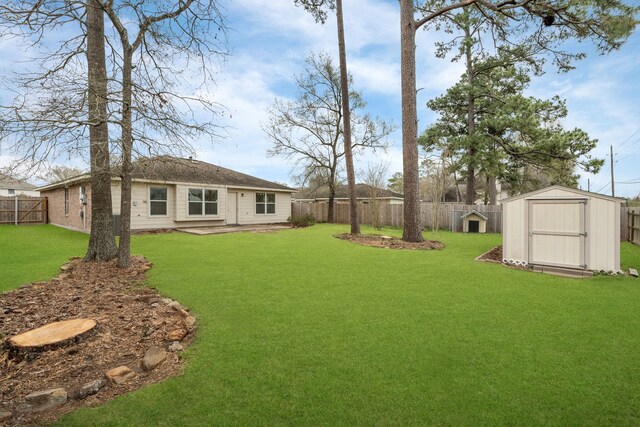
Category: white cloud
[376,75]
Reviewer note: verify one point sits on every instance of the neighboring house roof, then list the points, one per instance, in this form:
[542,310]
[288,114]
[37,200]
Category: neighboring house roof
[560,187]
[173,169]
[363,191]
[15,184]
[476,213]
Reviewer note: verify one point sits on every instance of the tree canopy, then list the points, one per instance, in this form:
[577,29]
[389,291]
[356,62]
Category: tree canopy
[512,130]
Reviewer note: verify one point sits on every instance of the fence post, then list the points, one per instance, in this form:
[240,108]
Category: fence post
[15,210]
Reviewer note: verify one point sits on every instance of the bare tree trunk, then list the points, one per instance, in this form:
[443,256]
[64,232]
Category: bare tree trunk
[492,190]
[455,179]
[124,250]
[471,122]
[102,245]
[412,230]
[470,195]
[332,202]
[348,155]
[374,205]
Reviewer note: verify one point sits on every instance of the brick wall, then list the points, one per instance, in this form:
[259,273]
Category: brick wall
[73,219]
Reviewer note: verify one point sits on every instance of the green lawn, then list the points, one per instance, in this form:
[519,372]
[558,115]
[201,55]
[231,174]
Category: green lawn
[300,328]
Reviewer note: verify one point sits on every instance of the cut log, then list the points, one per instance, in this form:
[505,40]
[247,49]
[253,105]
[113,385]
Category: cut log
[50,336]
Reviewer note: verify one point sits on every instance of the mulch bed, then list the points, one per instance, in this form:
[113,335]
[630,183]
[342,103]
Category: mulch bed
[379,241]
[494,255]
[131,318]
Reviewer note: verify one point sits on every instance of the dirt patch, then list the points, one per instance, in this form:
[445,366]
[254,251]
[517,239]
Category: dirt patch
[131,319]
[155,231]
[380,241]
[494,255]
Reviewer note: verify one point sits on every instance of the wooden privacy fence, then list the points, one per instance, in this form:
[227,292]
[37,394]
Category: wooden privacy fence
[630,222]
[391,214]
[450,216]
[23,210]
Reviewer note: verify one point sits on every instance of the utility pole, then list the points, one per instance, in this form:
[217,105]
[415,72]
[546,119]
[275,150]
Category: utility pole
[613,188]
[589,184]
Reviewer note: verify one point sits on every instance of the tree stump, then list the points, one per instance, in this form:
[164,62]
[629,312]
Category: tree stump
[49,337]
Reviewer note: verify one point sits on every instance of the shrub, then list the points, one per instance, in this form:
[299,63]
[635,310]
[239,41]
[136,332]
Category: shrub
[302,220]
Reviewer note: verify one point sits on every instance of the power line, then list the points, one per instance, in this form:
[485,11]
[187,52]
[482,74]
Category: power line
[602,188]
[635,141]
[627,140]
[633,153]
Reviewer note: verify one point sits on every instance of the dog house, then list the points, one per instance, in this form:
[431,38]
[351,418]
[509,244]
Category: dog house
[474,222]
[562,227]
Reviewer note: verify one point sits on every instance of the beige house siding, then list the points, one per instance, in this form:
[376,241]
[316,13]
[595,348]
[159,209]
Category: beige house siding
[177,207]
[182,204]
[4,192]
[247,207]
[561,214]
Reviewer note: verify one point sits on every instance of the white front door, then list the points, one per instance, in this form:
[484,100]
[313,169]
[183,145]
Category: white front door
[232,207]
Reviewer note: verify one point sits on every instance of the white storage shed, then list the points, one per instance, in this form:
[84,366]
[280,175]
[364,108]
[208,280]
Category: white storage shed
[562,227]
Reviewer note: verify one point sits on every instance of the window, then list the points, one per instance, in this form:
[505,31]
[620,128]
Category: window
[11,191]
[83,195]
[203,201]
[265,203]
[157,200]
[66,201]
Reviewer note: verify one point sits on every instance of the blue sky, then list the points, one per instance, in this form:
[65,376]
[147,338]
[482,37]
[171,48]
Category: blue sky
[269,42]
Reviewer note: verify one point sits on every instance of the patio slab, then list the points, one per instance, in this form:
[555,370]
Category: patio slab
[260,228]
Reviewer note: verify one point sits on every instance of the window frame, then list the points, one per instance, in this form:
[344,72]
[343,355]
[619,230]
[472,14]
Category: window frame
[266,203]
[166,201]
[82,195]
[203,203]
[66,201]
[11,191]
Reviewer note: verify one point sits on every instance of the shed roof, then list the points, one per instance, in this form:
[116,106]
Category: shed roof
[560,187]
[474,212]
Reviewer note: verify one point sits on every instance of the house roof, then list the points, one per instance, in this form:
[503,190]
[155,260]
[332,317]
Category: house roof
[179,170]
[474,212]
[560,187]
[363,191]
[175,169]
[8,182]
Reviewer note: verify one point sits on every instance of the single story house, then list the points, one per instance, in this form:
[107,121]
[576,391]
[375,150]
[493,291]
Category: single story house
[363,194]
[169,192]
[10,187]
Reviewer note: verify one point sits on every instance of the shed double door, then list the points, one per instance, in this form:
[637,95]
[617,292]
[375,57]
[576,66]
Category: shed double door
[557,233]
